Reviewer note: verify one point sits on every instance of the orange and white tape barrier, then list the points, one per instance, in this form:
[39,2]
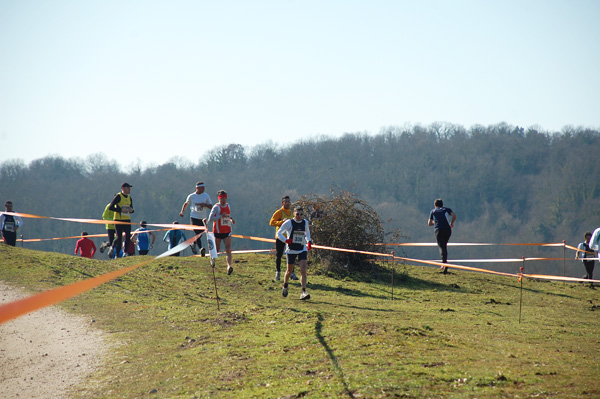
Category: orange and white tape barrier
[103,235]
[102,221]
[469,244]
[47,298]
[455,266]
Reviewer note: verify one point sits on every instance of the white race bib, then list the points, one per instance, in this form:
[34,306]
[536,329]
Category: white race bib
[9,226]
[225,220]
[298,237]
[126,209]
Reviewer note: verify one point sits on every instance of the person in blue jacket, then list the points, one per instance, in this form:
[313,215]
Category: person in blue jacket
[174,237]
[141,237]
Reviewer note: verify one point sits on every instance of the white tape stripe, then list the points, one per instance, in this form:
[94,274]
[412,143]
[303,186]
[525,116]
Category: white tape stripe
[179,247]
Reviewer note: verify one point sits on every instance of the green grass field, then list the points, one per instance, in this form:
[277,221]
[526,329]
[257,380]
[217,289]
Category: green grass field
[441,336]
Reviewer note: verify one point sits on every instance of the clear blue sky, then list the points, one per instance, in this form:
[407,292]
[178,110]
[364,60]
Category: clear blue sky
[146,81]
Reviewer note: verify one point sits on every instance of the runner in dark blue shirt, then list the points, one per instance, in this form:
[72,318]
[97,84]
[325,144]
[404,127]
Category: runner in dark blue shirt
[442,229]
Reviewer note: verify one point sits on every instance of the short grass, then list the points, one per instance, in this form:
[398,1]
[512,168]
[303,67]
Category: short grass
[442,336]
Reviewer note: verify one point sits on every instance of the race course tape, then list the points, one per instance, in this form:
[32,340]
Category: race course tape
[469,244]
[79,236]
[59,238]
[47,298]
[102,221]
[27,305]
[519,275]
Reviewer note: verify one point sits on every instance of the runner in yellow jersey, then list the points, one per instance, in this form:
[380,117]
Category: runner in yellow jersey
[281,215]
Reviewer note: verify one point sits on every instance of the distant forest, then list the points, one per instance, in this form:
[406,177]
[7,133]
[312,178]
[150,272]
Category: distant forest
[507,184]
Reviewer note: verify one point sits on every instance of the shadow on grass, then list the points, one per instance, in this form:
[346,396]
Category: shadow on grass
[336,366]
[528,288]
[344,291]
[341,305]
[401,281]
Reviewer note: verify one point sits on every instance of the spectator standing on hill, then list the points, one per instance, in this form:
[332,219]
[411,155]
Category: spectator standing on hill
[199,203]
[9,225]
[141,237]
[173,237]
[584,253]
[442,229]
[281,215]
[131,247]
[110,230]
[296,234]
[220,215]
[122,206]
[85,246]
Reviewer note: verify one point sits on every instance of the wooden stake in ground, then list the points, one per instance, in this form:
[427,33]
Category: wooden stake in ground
[212,264]
[393,267]
[521,280]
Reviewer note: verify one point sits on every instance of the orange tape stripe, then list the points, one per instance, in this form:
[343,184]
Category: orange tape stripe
[79,236]
[451,265]
[533,276]
[314,246]
[254,238]
[466,244]
[500,260]
[102,221]
[59,238]
[193,227]
[27,305]
[78,220]
[350,250]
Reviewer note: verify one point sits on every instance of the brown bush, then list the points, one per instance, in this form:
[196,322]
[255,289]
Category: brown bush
[342,221]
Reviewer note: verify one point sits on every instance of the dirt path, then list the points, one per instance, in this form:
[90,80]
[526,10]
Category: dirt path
[47,353]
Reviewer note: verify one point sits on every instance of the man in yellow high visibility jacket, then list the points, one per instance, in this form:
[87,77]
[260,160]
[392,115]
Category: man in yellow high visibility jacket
[122,206]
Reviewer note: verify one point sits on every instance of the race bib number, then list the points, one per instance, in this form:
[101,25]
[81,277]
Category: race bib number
[126,209]
[9,226]
[197,206]
[226,220]
[298,237]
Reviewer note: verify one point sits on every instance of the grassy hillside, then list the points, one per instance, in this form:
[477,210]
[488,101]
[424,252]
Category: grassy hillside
[442,336]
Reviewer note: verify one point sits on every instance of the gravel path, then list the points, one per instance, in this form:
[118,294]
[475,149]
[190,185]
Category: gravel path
[47,353]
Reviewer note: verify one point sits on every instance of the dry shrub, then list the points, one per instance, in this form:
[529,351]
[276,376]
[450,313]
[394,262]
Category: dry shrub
[342,221]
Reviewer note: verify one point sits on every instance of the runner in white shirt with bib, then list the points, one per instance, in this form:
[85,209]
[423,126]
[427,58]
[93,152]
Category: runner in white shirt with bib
[199,203]
[296,234]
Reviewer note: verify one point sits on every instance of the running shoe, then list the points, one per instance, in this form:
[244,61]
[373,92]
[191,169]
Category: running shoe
[212,262]
[103,246]
[284,292]
[293,276]
[202,252]
[229,270]
[304,296]
[277,276]
[194,249]
[111,253]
